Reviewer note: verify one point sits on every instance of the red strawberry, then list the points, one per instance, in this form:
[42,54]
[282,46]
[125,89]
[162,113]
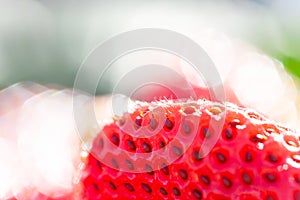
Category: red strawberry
[184,90]
[251,157]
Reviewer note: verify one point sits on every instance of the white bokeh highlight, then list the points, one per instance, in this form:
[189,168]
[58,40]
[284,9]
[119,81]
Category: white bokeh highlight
[257,80]
[39,143]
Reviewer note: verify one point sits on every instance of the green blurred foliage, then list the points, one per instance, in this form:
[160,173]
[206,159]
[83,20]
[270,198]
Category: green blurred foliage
[292,65]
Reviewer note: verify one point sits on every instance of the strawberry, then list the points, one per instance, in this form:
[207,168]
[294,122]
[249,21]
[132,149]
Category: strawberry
[161,150]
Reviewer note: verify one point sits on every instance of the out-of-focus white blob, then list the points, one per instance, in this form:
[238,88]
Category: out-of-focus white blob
[8,168]
[261,83]
[15,95]
[127,65]
[96,113]
[139,72]
[39,141]
[258,81]
[219,48]
[11,101]
[48,142]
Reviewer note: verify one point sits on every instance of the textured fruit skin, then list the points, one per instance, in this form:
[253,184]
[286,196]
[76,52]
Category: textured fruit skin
[193,91]
[253,158]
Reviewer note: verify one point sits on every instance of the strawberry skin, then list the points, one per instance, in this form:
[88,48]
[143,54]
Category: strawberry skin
[252,158]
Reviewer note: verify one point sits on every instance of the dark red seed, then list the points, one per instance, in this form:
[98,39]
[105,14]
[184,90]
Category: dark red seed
[183,174]
[206,133]
[246,178]
[147,148]
[101,143]
[96,187]
[177,151]
[114,163]
[205,179]
[165,169]
[129,165]
[153,123]
[228,134]
[99,164]
[197,155]
[297,195]
[112,186]
[162,144]
[149,169]
[272,158]
[221,158]
[234,123]
[176,191]
[169,124]
[131,145]
[197,194]
[163,191]
[258,138]
[186,128]
[270,177]
[270,198]
[226,182]
[129,187]
[115,139]
[138,121]
[297,178]
[147,188]
[248,156]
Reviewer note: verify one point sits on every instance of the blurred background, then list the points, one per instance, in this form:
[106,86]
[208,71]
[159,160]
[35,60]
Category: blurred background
[46,41]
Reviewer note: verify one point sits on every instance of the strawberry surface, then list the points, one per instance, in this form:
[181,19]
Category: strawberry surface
[161,150]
